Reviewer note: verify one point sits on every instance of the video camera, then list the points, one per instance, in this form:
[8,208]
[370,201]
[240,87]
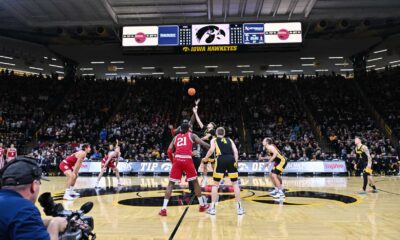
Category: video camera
[79,226]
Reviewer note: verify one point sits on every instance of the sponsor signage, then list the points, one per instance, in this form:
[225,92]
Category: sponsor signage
[140,36]
[253,33]
[245,167]
[168,35]
[283,32]
[210,34]
[95,167]
[196,49]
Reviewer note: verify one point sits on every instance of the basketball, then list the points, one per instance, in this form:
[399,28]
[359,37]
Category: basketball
[191,92]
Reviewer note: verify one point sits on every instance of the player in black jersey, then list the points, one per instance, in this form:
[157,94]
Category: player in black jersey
[280,163]
[364,163]
[209,134]
[227,160]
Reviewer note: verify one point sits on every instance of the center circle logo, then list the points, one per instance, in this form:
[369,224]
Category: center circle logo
[283,34]
[140,37]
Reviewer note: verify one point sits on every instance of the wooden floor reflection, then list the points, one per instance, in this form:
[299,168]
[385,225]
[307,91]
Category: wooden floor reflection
[315,208]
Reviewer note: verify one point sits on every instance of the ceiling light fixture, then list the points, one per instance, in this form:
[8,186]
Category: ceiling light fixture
[380,51]
[35,68]
[374,59]
[6,57]
[56,66]
[9,64]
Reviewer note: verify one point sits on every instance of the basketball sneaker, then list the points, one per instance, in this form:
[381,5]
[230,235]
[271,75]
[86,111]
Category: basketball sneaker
[279,195]
[273,192]
[163,212]
[73,193]
[374,191]
[68,197]
[212,211]
[204,208]
[240,211]
[362,192]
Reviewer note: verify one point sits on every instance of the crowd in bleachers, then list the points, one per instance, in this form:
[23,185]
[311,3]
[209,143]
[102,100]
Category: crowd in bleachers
[25,103]
[341,115]
[140,113]
[274,111]
[383,90]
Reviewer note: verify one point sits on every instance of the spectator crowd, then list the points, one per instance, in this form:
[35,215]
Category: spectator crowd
[54,116]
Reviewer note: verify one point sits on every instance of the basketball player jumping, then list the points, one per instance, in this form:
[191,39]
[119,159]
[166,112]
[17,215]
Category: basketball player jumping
[110,161]
[364,163]
[279,166]
[181,160]
[227,159]
[209,134]
[70,167]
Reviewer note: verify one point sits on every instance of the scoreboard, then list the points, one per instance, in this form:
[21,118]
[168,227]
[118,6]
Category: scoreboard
[191,36]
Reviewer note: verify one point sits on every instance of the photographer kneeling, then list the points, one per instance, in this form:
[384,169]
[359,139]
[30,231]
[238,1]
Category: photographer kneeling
[20,218]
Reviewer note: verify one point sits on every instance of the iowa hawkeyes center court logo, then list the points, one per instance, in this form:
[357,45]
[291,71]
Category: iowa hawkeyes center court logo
[154,196]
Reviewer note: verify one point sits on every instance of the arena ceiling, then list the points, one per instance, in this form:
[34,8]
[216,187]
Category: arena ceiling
[52,20]
[84,30]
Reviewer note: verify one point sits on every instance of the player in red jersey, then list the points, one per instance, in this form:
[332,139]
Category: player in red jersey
[70,167]
[11,153]
[182,162]
[110,161]
[2,151]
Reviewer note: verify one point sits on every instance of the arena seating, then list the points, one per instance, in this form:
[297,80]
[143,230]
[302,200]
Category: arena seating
[342,115]
[139,112]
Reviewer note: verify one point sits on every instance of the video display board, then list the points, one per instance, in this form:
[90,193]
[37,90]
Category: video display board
[212,34]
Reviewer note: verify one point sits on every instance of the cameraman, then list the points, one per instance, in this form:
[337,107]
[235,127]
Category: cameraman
[19,218]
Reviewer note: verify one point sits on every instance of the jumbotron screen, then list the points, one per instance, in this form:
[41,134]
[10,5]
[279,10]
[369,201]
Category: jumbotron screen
[212,34]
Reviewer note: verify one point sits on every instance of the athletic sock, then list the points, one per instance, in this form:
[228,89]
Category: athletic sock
[213,205]
[239,205]
[165,204]
[373,187]
[201,201]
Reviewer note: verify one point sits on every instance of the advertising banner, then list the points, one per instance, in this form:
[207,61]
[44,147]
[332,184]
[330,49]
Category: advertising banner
[283,32]
[140,36]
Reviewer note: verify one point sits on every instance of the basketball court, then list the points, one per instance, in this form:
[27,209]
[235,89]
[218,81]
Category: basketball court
[327,207]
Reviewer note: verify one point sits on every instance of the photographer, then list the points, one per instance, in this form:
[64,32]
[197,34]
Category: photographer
[19,218]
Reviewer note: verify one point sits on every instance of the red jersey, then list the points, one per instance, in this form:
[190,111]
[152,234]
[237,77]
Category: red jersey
[11,153]
[71,159]
[115,157]
[183,145]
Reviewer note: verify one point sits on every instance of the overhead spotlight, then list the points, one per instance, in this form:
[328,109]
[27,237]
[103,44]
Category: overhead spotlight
[321,25]
[80,30]
[101,30]
[343,24]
